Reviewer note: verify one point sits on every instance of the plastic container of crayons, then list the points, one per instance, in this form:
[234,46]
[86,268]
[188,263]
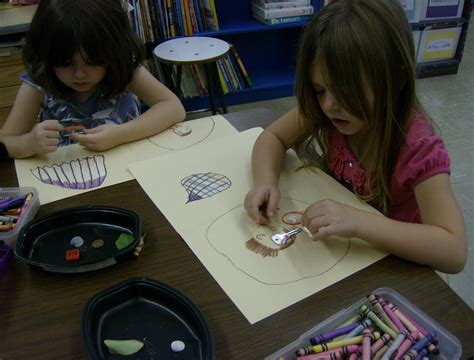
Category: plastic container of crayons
[18,206]
[444,346]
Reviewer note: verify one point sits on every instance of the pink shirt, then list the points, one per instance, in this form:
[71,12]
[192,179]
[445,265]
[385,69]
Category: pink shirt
[423,155]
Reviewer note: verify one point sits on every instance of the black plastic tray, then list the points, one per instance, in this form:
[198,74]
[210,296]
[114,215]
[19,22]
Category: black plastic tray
[43,243]
[149,311]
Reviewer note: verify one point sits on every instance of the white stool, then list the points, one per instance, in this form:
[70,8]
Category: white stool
[196,50]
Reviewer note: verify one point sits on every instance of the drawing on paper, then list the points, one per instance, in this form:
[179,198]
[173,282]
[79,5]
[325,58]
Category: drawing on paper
[251,250]
[204,185]
[86,173]
[183,135]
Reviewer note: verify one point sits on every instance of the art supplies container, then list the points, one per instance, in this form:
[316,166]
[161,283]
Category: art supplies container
[449,346]
[5,256]
[148,311]
[27,213]
[79,239]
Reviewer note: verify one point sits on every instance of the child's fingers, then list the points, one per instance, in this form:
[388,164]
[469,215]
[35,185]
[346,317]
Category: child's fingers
[52,125]
[322,233]
[272,203]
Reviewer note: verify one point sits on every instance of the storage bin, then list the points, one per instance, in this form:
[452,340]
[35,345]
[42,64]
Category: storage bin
[448,345]
[441,9]
[438,43]
[27,214]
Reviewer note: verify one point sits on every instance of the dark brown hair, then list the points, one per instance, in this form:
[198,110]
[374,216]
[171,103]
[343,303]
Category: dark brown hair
[99,29]
[360,44]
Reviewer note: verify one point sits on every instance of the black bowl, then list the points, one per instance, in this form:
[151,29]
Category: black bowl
[43,243]
[151,312]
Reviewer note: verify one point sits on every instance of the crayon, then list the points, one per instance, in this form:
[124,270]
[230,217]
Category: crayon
[318,339]
[358,330]
[7,227]
[378,307]
[335,354]
[8,219]
[395,345]
[384,340]
[364,310]
[406,344]
[381,351]
[398,325]
[422,354]
[24,208]
[12,204]
[12,212]
[366,351]
[335,344]
[351,320]
[416,348]
[5,199]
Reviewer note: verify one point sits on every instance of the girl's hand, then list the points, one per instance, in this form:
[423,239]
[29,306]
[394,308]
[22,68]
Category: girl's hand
[45,136]
[261,202]
[100,138]
[327,217]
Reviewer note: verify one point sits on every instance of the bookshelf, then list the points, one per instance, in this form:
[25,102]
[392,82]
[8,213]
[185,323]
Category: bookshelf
[269,52]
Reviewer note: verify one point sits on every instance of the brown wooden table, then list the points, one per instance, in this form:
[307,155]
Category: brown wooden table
[40,312]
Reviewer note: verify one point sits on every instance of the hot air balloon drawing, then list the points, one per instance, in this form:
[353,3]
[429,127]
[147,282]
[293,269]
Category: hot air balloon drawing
[86,173]
[203,185]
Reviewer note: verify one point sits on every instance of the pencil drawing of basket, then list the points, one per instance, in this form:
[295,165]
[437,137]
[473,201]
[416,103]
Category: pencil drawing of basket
[85,173]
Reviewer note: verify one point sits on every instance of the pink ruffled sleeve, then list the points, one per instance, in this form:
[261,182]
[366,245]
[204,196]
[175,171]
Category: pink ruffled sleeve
[420,160]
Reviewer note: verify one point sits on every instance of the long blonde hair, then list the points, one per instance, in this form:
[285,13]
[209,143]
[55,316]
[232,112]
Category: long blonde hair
[360,43]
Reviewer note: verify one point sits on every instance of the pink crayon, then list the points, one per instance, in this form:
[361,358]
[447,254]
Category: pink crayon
[366,351]
[384,340]
[334,354]
[391,315]
[405,346]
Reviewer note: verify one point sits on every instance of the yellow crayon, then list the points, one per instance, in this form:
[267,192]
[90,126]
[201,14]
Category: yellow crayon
[343,342]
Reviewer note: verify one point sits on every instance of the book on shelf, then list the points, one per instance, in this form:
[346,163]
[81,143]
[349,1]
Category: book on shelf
[283,20]
[240,63]
[265,4]
[210,14]
[285,12]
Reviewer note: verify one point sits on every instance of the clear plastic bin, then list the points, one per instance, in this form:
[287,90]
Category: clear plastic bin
[448,345]
[9,237]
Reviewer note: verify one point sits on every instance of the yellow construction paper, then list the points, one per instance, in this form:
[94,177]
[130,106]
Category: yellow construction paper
[203,200]
[88,170]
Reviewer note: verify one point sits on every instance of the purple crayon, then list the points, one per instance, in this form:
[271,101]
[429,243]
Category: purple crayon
[318,339]
[12,204]
[422,354]
[416,348]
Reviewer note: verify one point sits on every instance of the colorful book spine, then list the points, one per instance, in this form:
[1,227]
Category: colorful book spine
[225,88]
[283,20]
[210,15]
[242,69]
[235,67]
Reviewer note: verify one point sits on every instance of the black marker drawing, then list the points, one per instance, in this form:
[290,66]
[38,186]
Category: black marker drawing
[80,174]
[200,186]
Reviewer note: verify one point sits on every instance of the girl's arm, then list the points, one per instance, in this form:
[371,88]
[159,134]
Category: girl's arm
[165,110]
[267,161]
[21,136]
[439,242]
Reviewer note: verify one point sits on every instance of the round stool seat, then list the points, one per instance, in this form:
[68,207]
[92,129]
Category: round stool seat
[191,50]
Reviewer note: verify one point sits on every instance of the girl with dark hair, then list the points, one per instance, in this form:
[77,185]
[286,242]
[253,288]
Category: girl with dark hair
[84,77]
[355,90]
